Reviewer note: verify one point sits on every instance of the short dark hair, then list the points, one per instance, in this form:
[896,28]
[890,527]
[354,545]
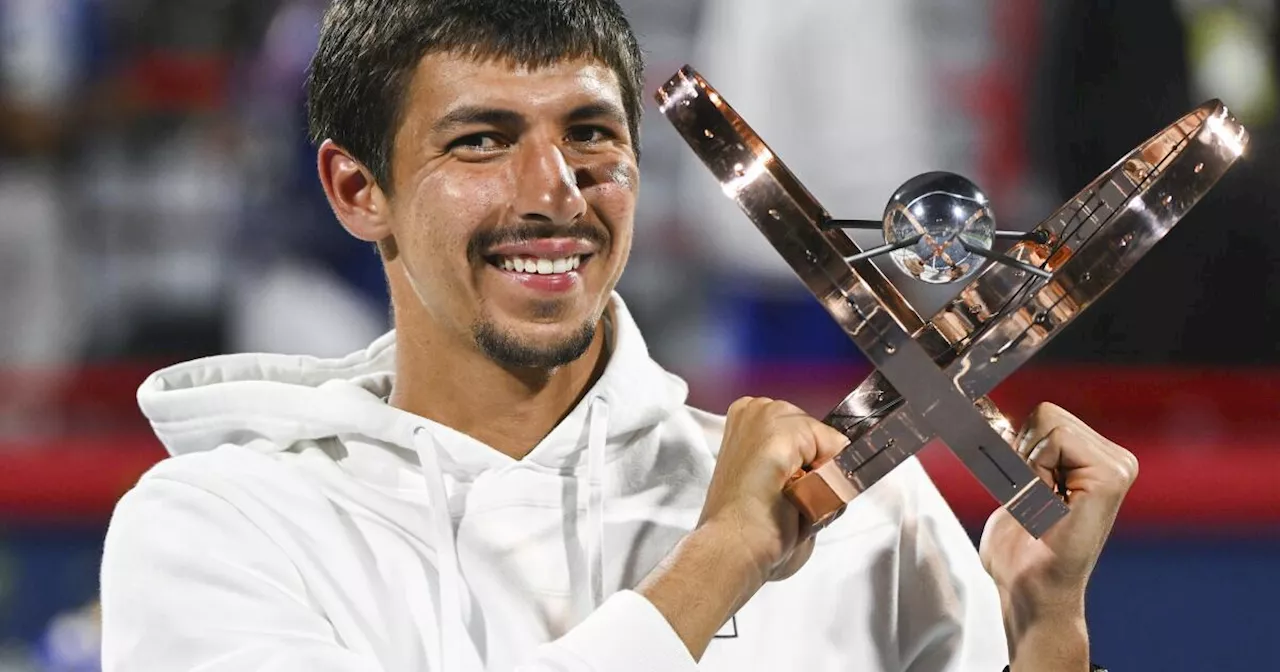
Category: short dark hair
[369,50]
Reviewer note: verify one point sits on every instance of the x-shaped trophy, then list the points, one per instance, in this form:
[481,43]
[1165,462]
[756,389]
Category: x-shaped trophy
[932,375]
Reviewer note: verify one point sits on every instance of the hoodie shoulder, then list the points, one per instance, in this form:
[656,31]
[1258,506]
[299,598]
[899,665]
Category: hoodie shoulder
[250,477]
[228,460]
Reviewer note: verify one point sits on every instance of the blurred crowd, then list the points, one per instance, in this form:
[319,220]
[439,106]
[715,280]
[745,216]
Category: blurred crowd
[158,198]
[157,192]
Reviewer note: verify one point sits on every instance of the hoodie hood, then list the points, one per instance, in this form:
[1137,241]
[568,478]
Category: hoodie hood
[237,399]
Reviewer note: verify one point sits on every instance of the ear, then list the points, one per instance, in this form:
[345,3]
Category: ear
[357,200]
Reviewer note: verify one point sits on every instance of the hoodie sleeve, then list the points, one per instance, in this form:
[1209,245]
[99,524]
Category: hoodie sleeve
[949,612]
[627,633]
[189,582]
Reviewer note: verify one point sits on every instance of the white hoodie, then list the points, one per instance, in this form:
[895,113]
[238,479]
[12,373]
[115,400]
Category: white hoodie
[305,524]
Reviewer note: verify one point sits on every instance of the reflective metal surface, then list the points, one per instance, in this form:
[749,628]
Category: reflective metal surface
[931,376]
[948,214]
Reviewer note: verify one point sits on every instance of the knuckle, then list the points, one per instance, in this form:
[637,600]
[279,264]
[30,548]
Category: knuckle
[761,406]
[824,428]
[1057,416]
[1046,413]
[774,413]
[1122,472]
[777,457]
[746,407]
[825,431]
[784,408]
[1128,466]
[782,464]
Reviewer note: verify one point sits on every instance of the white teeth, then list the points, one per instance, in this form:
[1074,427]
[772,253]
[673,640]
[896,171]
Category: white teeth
[539,265]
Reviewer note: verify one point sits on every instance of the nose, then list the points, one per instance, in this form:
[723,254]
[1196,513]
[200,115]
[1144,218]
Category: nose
[547,187]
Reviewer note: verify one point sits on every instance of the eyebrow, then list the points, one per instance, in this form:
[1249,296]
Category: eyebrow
[474,115]
[597,110]
[470,115]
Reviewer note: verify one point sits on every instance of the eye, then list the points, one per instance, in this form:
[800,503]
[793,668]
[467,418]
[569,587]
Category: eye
[479,142]
[589,134]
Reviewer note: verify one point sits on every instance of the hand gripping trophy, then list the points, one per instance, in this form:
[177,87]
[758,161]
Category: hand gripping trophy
[932,376]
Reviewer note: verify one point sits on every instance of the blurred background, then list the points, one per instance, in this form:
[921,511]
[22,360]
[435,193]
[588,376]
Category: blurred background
[158,202]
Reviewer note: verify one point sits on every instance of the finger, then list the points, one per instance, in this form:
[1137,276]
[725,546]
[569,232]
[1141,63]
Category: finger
[1094,497]
[1110,467]
[1042,419]
[1047,416]
[821,441]
[1114,449]
[1082,464]
[1040,456]
[808,441]
[1026,440]
[1039,444]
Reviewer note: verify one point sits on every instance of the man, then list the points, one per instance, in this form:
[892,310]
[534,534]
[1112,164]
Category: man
[508,481]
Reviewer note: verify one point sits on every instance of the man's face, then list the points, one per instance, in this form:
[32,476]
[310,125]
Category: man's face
[514,194]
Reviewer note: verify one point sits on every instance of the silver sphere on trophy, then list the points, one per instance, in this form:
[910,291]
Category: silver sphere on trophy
[940,227]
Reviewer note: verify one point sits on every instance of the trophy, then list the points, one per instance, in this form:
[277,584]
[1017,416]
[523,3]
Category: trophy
[932,376]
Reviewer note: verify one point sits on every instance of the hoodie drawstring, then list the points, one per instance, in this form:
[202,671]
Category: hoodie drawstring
[597,437]
[455,641]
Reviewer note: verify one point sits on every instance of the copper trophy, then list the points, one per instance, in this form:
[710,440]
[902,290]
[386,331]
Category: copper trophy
[932,375]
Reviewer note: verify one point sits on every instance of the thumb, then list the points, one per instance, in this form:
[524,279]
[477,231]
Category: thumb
[828,440]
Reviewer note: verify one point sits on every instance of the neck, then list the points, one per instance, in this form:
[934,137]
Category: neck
[510,410]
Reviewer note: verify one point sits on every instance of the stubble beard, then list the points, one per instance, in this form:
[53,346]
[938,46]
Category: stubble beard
[509,351]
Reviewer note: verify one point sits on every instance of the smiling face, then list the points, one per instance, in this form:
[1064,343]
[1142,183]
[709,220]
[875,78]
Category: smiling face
[511,203]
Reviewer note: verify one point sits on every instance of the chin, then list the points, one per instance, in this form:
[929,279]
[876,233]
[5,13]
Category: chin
[535,345]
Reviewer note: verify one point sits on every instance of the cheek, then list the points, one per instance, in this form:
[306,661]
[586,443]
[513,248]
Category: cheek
[624,175]
[443,214]
[447,210]
[614,187]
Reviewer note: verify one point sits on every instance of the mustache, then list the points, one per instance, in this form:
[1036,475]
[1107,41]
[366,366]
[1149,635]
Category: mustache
[490,238]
